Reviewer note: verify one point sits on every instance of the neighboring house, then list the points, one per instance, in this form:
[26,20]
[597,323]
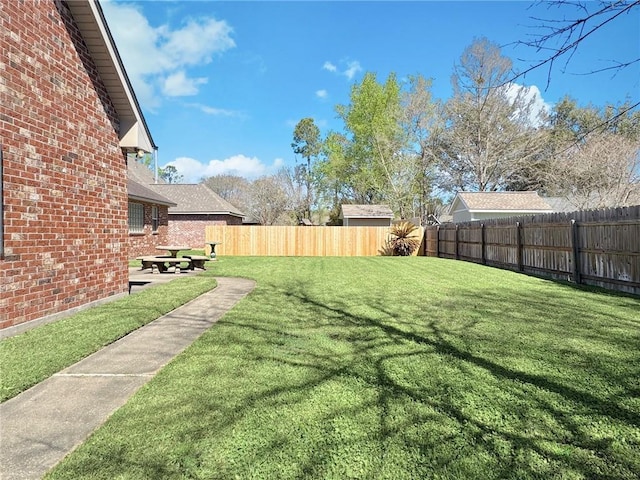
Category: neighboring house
[148,219]
[366,216]
[194,207]
[68,118]
[470,206]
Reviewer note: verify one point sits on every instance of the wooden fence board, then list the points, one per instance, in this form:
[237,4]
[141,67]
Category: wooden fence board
[595,247]
[258,240]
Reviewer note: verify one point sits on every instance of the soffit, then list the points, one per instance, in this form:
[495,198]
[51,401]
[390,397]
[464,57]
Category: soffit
[90,20]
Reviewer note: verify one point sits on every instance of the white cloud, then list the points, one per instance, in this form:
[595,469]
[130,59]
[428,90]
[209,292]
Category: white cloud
[178,85]
[156,57]
[329,66]
[322,94]
[219,112]
[530,94]
[197,41]
[351,68]
[241,165]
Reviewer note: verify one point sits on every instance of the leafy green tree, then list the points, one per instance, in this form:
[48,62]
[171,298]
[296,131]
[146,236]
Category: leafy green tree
[170,174]
[571,123]
[369,162]
[307,143]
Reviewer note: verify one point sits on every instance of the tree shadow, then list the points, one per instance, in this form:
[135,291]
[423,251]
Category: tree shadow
[438,387]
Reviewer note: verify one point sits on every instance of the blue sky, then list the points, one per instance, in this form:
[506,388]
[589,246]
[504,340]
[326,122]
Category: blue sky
[223,84]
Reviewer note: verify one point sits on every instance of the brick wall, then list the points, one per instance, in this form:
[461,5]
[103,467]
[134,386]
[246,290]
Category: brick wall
[189,229]
[145,243]
[65,192]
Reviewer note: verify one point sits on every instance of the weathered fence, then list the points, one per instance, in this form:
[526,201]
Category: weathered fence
[298,241]
[596,247]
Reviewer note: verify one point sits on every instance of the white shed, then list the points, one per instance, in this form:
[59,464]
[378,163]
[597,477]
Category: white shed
[469,206]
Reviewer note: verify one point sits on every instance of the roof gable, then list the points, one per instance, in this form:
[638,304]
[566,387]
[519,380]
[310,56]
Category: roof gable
[90,20]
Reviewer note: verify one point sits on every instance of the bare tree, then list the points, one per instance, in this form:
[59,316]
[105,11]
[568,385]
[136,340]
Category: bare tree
[491,136]
[293,182]
[421,119]
[268,201]
[234,189]
[603,171]
[561,38]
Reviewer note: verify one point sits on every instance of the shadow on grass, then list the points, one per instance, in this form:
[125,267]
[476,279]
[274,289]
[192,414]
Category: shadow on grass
[323,386]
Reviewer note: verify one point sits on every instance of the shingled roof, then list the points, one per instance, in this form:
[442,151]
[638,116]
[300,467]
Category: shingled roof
[139,172]
[136,191]
[195,198]
[366,211]
[503,201]
[186,198]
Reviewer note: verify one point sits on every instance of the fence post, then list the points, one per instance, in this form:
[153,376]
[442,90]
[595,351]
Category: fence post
[519,245]
[457,251]
[438,241]
[575,239]
[482,242]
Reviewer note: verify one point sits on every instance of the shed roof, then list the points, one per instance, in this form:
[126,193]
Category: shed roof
[366,211]
[195,198]
[503,201]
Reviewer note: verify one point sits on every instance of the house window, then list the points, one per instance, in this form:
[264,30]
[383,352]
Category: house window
[154,218]
[136,218]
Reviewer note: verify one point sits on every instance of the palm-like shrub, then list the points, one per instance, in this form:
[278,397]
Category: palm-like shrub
[404,241]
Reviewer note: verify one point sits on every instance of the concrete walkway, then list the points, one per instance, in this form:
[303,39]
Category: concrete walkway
[42,425]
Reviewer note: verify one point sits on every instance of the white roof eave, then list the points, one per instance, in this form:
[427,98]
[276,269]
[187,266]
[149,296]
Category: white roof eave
[134,133]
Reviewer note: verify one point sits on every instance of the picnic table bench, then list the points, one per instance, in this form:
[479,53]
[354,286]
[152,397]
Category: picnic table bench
[197,261]
[164,262]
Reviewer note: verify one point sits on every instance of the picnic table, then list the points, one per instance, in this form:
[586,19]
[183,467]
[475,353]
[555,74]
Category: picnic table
[172,249]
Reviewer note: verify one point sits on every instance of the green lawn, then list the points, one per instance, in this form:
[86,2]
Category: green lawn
[388,367]
[35,355]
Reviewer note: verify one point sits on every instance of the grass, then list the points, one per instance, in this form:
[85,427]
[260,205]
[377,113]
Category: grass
[35,355]
[392,368]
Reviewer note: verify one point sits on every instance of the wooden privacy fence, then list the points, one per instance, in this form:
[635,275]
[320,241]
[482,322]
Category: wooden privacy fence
[261,240]
[596,247]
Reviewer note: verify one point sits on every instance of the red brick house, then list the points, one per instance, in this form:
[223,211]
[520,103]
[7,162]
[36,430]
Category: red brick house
[68,118]
[194,207]
[148,219]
